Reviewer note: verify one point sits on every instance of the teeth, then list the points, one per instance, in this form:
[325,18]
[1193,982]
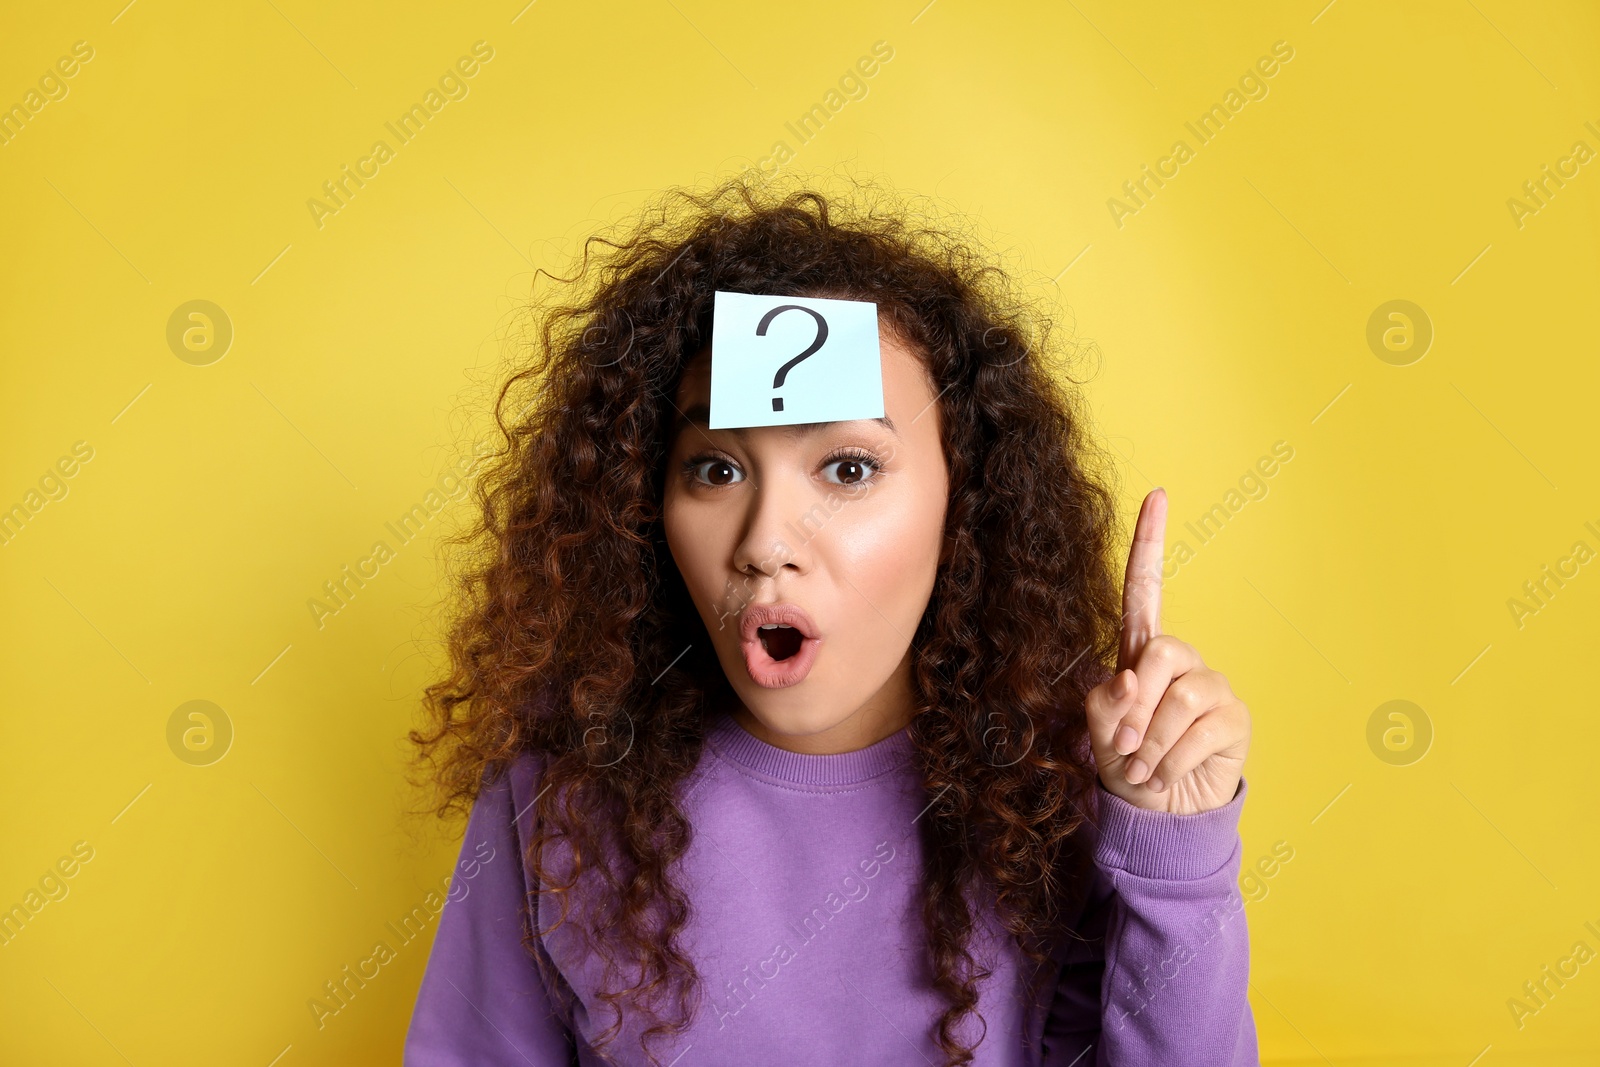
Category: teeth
[777,626]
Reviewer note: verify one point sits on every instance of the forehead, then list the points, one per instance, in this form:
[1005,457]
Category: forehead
[907,388]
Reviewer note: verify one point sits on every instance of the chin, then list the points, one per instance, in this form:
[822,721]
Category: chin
[799,724]
[792,712]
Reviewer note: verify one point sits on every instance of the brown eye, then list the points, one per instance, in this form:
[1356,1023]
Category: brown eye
[716,472]
[851,471]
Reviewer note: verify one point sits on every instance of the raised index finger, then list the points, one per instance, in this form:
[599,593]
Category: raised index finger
[1141,585]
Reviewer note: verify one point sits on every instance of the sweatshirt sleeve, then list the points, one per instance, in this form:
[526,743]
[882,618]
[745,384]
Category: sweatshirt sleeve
[483,1002]
[1161,973]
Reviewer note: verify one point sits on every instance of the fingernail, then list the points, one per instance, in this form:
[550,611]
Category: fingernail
[1126,741]
[1136,770]
[1156,785]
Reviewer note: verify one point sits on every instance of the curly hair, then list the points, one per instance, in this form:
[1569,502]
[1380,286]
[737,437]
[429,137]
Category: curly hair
[569,610]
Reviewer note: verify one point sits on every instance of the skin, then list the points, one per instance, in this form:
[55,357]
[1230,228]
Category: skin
[1167,732]
[773,514]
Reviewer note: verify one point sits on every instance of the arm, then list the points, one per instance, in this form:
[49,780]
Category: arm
[1168,738]
[482,1001]
[1162,975]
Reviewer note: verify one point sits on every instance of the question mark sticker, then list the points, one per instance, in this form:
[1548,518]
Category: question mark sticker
[822,339]
[750,334]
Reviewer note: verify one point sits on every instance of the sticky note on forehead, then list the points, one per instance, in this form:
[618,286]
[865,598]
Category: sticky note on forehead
[780,360]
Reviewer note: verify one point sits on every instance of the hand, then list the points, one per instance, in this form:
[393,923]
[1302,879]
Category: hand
[1166,731]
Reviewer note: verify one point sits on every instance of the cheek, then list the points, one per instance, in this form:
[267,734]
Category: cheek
[892,555]
[675,523]
[692,537]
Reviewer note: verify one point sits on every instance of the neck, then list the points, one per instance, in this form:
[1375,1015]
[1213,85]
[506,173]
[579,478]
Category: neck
[886,712]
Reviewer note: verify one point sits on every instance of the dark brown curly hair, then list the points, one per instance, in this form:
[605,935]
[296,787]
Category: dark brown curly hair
[569,609]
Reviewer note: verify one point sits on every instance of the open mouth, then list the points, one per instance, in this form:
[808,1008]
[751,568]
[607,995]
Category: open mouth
[780,641]
[780,644]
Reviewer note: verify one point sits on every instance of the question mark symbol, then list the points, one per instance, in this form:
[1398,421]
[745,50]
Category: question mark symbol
[822,337]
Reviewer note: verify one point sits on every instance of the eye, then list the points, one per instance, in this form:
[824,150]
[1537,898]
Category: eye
[712,470]
[853,466]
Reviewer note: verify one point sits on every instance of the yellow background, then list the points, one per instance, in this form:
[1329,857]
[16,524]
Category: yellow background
[1229,313]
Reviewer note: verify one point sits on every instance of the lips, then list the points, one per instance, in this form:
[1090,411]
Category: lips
[797,645]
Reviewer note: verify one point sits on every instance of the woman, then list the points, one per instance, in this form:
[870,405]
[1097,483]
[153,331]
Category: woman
[803,744]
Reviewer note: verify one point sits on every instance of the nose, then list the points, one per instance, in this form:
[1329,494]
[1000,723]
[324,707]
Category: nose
[772,539]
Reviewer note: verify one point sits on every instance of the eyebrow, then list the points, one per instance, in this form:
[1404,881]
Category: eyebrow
[700,415]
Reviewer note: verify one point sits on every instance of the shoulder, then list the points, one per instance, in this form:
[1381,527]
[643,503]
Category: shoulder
[523,772]
[503,808]
[511,790]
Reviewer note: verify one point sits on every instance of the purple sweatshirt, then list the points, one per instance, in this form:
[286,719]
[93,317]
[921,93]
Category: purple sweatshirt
[804,877]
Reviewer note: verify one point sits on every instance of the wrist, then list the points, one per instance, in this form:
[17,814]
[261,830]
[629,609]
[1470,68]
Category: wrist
[1163,845]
